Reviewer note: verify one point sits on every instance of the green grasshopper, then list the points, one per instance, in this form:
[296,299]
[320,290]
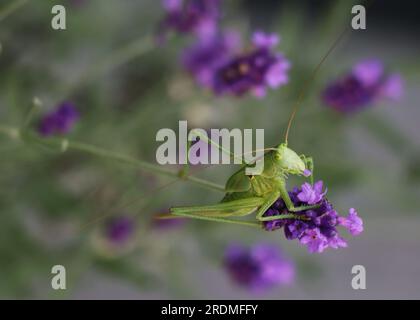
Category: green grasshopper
[247,194]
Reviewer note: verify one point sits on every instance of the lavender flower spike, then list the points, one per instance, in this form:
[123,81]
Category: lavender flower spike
[119,230]
[314,240]
[259,267]
[199,17]
[59,121]
[255,71]
[208,54]
[365,84]
[117,236]
[315,228]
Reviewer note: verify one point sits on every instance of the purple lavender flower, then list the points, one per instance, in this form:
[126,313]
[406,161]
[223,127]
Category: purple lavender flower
[254,71]
[198,17]
[353,223]
[208,54]
[314,240]
[392,88]
[311,195]
[59,121]
[307,173]
[119,230]
[316,228]
[259,267]
[366,83]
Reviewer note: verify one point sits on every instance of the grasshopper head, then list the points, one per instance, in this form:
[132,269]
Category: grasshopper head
[289,160]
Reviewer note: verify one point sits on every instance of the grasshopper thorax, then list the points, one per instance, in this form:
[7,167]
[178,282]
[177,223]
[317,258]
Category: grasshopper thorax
[289,161]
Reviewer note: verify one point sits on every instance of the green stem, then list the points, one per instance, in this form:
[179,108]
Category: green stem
[65,144]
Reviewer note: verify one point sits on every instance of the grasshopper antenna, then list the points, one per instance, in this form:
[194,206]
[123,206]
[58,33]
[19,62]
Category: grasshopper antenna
[309,80]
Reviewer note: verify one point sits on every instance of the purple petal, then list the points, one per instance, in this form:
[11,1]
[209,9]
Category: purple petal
[258,267]
[307,173]
[59,121]
[259,92]
[314,240]
[277,74]
[353,223]
[369,72]
[311,195]
[337,242]
[265,40]
[172,5]
[393,87]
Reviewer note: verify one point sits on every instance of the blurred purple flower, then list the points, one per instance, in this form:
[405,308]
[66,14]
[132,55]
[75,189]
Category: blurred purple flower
[208,54]
[199,17]
[254,71]
[365,84]
[259,267]
[119,230]
[315,228]
[393,87]
[59,121]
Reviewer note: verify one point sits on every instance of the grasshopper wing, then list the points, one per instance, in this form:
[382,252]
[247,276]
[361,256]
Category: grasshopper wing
[238,182]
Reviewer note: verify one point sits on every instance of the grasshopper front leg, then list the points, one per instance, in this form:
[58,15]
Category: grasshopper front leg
[268,203]
[269,200]
[289,204]
[309,164]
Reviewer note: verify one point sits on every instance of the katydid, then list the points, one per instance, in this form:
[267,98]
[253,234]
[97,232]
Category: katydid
[249,194]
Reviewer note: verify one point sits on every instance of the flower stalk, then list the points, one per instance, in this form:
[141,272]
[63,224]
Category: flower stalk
[64,144]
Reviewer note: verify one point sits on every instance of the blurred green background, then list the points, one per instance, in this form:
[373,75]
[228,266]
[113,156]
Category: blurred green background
[126,90]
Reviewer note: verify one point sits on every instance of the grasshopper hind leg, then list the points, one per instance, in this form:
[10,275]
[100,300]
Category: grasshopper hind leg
[217,219]
[222,212]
